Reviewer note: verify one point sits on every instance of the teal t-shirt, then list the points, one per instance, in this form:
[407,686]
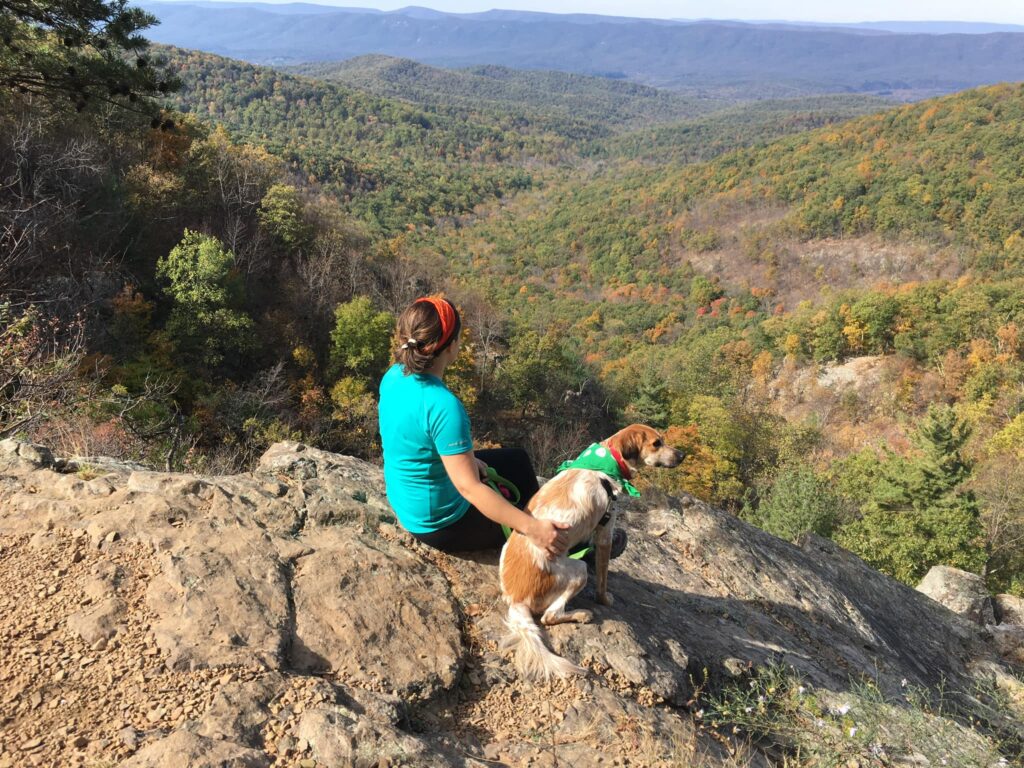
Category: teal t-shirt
[421,421]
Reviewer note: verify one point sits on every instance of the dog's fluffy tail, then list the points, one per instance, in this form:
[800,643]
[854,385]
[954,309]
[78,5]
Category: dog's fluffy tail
[532,657]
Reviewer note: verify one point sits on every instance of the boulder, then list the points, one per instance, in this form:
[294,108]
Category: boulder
[223,606]
[1009,609]
[1008,640]
[336,489]
[340,737]
[16,451]
[961,592]
[374,614]
[102,465]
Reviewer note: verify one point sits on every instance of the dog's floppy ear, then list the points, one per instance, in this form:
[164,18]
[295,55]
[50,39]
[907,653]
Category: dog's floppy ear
[609,488]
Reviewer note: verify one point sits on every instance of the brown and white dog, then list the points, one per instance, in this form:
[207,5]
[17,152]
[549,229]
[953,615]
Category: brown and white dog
[532,584]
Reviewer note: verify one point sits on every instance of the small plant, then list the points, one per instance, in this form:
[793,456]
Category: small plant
[88,472]
[784,715]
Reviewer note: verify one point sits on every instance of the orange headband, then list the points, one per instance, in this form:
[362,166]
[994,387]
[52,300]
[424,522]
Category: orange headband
[449,319]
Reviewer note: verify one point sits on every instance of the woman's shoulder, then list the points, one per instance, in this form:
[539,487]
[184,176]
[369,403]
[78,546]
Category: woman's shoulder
[432,387]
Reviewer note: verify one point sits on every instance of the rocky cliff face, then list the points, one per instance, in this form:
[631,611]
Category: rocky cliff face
[281,618]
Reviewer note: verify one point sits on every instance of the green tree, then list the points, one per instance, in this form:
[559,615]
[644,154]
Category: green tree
[280,214]
[798,502]
[703,291]
[920,515]
[650,405]
[361,339]
[208,321]
[87,50]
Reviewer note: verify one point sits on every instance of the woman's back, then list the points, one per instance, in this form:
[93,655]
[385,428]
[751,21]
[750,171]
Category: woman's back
[420,421]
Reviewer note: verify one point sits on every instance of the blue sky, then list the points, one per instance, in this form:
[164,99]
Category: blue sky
[1001,11]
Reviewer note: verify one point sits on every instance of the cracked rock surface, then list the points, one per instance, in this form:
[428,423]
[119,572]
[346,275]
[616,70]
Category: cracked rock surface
[279,617]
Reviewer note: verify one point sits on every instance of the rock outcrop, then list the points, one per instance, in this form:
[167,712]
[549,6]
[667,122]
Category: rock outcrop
[962,592]
[280,617]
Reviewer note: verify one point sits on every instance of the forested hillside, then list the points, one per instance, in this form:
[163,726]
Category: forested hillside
[391,163]
[707,136]
[577,105]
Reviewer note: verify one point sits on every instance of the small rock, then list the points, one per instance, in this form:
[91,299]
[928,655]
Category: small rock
[1009,609]
[80,742]
[736,667]
[307,763]
[492,751]
[128,736]
[28,746]
[111,537]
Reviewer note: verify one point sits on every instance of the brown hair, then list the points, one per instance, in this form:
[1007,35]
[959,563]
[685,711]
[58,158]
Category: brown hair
[417,335]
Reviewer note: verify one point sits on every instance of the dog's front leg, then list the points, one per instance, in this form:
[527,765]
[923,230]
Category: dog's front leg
[603,545]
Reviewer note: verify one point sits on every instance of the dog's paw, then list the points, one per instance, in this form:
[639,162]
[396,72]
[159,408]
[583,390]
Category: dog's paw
[606,599]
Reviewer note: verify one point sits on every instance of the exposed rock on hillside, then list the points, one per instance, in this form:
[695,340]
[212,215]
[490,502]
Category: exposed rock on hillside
[962,592]
[280,617]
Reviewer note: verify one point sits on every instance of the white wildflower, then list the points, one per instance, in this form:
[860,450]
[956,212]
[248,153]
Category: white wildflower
[903,683]
[843,709]
[853,732]
[801,690]
[748,710]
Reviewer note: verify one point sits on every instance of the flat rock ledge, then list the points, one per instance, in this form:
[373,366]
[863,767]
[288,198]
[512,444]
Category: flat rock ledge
[282,618]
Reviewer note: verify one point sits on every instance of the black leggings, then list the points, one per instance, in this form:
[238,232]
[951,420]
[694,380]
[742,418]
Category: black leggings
[473,531]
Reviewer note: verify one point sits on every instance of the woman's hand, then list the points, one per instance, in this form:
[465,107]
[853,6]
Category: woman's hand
[549,536]
[481,467]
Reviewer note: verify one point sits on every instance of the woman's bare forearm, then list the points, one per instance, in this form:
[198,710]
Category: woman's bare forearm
[493,506]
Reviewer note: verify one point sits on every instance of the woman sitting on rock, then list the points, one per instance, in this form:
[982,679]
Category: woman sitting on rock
[435,482]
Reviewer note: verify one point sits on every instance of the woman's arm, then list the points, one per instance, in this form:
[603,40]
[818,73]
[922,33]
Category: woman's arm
[463,470]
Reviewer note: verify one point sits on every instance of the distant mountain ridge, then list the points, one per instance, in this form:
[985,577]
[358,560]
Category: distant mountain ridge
[755,61]
[535,96]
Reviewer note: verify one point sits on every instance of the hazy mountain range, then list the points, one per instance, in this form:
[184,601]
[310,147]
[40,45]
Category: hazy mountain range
[770,59]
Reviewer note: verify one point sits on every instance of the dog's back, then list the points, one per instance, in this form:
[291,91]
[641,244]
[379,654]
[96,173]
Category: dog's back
[531,583]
